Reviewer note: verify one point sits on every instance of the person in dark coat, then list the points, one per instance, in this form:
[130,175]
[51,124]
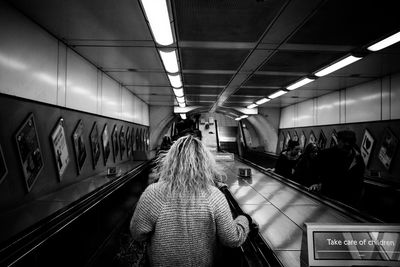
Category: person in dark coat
[287,159]
[342,170]
[306,171]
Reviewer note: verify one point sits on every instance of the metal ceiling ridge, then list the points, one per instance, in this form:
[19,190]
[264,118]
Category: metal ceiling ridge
[208,71]
[217,45]
[110,43]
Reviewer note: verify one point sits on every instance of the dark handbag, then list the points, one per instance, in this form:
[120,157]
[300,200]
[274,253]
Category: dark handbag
[131,252]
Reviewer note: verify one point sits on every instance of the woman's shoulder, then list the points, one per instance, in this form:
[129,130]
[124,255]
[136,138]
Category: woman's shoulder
[154,189]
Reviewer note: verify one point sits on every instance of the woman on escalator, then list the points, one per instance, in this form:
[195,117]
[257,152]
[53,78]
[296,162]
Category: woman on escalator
[184,216]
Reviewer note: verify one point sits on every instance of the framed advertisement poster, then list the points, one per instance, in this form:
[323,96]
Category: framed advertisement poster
[295,136]
[60,147]
[334,140]
[281,141]
[388,148]
[133,137]
[366,146]
[122,144]
[114,140]
[128,143]
[3,166]
[79,145]
[105,138]
[321,140]
[312,138]
[94,144]
[287,139]
[302,140]
[29,151]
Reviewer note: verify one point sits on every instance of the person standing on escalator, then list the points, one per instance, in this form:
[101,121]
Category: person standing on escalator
[184,216]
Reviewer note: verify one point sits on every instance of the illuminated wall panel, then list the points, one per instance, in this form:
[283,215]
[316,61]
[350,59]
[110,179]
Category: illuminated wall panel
[363,102]
[287,117]
[28,58]
[110,98]
[395,97]
[327,110]
[305,113]
[81,84]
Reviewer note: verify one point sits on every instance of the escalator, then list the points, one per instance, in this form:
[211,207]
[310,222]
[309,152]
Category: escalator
[94,230]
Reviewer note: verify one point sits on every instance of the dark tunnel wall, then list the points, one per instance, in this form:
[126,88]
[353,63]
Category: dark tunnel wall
[377,131]
[14,111]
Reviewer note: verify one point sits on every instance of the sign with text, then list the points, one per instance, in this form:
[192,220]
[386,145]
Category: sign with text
[353,244]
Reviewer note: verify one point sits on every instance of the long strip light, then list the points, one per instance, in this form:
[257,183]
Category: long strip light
[299,83]
[182,105]
[277,94]
[385,42]
[338,65]
[170,61]
[252,106]
[158,17]
[175,80]
[180,99]
[241,117]
[262,101]
[178,92]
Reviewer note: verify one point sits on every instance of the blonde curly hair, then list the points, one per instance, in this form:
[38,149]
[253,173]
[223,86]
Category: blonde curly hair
[188,168]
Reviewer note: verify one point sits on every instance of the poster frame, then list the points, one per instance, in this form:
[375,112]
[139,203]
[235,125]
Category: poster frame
[61,155]
[37,160]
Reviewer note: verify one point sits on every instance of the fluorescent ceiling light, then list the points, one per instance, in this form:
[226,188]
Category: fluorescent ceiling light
[385,42]
[170,61]
[277,94]
[158,17]
[299,83]
[262,101]
[238,119]
[244,116]
[182,105]
[338,65]
[252,106]
[183,116]
[175,80]
[180,99]
[178,92]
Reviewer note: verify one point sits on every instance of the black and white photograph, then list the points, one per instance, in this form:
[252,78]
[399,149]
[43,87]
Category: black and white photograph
[95,144]
[3,166]
[78,139]
[60,148]
[167,103]
[114,141]
[105,140]
[122,142]
[388,148]
[366,146]
[30,154]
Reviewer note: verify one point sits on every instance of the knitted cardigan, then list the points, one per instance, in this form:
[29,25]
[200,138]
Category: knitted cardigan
[182,232]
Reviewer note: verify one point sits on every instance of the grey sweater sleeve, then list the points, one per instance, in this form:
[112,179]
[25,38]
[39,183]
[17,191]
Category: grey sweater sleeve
[145,215]
[230,232]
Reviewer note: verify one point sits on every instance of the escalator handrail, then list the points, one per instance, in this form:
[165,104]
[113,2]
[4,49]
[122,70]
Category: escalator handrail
[341,207]
[260,248]
[11,251]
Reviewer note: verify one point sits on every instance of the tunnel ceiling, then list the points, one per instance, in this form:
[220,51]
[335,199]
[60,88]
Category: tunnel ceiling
[232,52]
